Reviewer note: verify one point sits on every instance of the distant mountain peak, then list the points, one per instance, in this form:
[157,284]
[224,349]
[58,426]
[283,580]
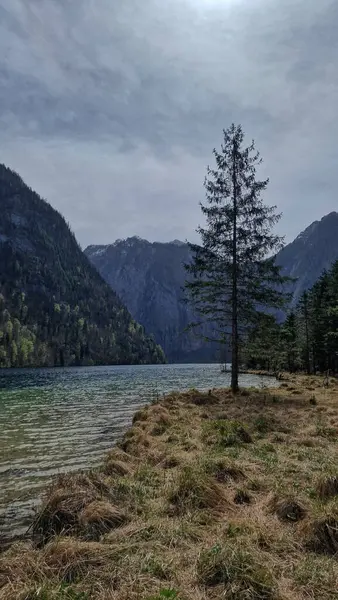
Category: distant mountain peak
[177,243]
[331,219]
[313,251]
[129,242]
[304,235]
[330,216]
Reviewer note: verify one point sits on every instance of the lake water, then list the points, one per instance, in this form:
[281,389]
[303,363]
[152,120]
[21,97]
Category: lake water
[55,420]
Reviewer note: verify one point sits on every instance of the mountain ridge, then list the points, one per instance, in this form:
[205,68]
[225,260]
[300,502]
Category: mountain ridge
[134,266]
[314,250]
[55,308]
[149,277]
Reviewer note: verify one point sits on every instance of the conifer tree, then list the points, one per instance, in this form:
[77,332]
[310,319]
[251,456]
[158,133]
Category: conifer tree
[304,330]
[232,276]
[289,343]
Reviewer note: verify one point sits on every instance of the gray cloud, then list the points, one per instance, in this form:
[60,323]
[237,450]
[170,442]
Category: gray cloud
[110,110]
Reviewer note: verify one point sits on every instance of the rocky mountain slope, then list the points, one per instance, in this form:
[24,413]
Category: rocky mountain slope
[313,251]
[149,278]
[55,308]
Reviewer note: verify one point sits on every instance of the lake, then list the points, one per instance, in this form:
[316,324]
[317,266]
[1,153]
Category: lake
[56,420]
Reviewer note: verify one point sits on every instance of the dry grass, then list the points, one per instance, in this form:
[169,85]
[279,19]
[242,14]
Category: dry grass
[327,487]
[206,496]
[287,509]
[194,490]
[237,573]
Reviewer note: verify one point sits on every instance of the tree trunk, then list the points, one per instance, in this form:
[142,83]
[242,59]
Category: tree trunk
[234,362]
[307,357]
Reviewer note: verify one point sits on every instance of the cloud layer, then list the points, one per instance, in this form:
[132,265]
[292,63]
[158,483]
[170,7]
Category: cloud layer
[110,110]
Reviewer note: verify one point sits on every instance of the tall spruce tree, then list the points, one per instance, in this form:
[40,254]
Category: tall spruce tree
[289,343]
[304,330]
[233,278]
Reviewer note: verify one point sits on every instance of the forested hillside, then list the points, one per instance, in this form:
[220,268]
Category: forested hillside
[55,309]
[308,338]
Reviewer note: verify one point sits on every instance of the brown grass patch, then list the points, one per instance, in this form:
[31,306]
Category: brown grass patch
[200,399]
[196,491]
[171,461]
[287,509]
[135,441]
[72,505]
[116,467]
[242,497]
[73,559]
[205,496]
[327,487]
[100,517]
[321,535]
[237,574]
[223,470]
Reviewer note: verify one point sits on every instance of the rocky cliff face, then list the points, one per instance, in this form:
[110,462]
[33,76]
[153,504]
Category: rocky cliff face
[149,278]
[313,251]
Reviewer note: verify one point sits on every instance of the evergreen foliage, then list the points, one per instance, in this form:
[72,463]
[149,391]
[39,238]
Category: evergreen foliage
[232,278]
[55,309]
[308,338]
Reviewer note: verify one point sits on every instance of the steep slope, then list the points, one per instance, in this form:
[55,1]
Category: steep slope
[55,309]
[313,251]
[149,278]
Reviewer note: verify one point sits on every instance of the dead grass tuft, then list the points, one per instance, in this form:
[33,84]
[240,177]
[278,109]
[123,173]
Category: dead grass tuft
[242,497]
[238,572]
[287,509]
[98,518]
[321,535]
[135,442]
[327,487]
[73,559]
[67,497]
[223,470]
[194,490]
[69,503]
[141,415]
[116,467]
[200,399]
[171,461]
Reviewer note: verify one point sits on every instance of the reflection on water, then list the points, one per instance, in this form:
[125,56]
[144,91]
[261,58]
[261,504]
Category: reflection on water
[55,420]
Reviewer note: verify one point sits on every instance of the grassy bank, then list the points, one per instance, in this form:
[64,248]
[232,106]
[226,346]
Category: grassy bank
[205,497]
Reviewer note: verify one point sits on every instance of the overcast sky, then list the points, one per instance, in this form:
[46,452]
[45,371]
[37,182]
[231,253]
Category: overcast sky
[110,109]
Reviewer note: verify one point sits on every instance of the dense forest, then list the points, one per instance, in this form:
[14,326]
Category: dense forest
[55,309]
[308,338]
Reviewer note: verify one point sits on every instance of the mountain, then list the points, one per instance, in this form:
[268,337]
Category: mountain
[149,278]
[313,251]
[55,308]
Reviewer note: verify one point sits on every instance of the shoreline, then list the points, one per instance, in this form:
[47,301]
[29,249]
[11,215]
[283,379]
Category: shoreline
[200,481]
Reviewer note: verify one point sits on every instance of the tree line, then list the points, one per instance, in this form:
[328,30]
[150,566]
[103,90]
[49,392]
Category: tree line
[308,338]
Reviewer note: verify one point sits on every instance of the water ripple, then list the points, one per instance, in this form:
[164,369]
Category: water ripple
[57,420]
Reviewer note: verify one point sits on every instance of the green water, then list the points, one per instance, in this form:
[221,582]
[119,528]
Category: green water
[55,420]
